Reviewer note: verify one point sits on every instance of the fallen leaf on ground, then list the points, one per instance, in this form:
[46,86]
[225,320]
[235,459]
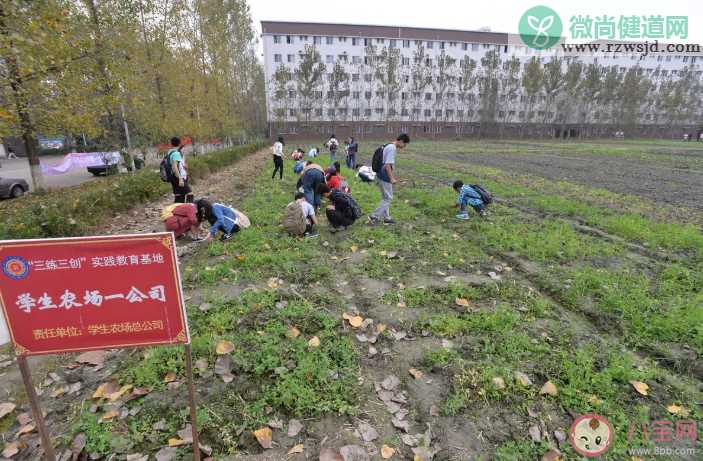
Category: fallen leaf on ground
[549,388]
[272,282]
[292,332]
[174,442]
[106,389]
[423,454]
[353,453]
[186,434]
[498,383]
[264,437]
[523,379]
[402,304]
[417,374]
[26,429]
[6,408]
[170,377]
[224,347]
[387,452]
[109,415]
[677,410]
[551,455]
[314,342]
[368,433]
[296,449]
[328,454]
[59,391]
[96,358]
[354,248]
[355,321]
[294,427]
[11,449]
[122,391]
[463,302]
[640,387]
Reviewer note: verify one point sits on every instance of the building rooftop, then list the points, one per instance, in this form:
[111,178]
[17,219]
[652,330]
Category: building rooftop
[371,31]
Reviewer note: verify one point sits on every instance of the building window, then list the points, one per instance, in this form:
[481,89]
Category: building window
[449,113]
[404,112]
[367,41]
[367,94]
[367,112]
[416,112]
[367,60]
[276,39]
[474,47]
[318,112]
[438,113]
[380,94]
[441,45]
[329,40]
[460,113]
[329,59]
[355,41]
[355,77]
[450,95]
[368,77]
[438,97]
[356,59]
[416,94]
[428,113]
[452,44]
[403,95]
[342,58]
[391,43]
[292,112]
[330,112]
[291,58]
[355,112]
[429,45]
[406,61]
[428,62]
[291,94]
[289,39]
[392,112]
[330,94]
[342,112]
[406,78]
[317,40]
[379,111]
[486,46]
[464,46]
[428,96]
[380,41]
[406,43]
[303,38]
[356,94]
[277,58]
[342,39]
[318,94]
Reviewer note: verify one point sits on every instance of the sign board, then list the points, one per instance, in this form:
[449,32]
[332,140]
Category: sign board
[85,293]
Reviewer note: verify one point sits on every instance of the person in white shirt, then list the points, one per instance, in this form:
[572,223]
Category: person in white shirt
[312,153]
[332,144]
[278,158]
[366,173]
[309,213]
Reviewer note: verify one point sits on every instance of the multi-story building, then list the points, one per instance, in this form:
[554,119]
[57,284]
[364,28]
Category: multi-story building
[362,79]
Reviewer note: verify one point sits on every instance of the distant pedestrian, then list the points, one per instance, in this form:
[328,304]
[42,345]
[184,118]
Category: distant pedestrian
[385,170]
[277,150]
[332,144]
[179,177]
[352,149]
[342,210]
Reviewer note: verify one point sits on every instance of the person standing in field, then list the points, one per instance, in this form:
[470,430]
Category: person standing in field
[386,178]
[179,177]
[352,149]
[277,150]
[332,144]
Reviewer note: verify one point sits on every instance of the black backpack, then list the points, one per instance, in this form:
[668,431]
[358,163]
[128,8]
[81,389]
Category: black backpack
[486,196]
[352,209]
[377,160]
[165,168]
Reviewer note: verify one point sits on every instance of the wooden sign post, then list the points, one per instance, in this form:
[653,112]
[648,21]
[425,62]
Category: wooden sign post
[92,293]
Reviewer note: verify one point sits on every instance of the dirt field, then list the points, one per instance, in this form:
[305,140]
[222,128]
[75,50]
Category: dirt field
[434,339]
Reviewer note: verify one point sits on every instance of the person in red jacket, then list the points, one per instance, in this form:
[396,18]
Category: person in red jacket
[183,220]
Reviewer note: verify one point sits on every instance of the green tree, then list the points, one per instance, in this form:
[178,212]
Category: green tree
[308,78]
[532,83]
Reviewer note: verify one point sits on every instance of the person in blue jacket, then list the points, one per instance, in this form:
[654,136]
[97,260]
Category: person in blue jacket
[221,218]
[467,196]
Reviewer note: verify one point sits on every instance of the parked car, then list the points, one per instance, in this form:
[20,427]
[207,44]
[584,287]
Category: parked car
[110,165]
[13,187]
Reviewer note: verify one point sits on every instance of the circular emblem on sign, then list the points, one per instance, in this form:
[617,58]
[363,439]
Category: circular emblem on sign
[540,27]
[591,435]
[15,267]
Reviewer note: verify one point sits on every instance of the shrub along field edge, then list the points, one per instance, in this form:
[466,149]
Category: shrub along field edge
[74,211]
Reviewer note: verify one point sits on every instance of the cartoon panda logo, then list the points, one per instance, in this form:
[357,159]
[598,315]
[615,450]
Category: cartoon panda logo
[591,435]
[15,267]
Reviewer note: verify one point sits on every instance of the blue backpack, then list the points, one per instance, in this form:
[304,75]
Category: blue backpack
[298,167]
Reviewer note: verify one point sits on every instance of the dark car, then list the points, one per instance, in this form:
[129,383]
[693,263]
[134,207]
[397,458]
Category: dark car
[13,187]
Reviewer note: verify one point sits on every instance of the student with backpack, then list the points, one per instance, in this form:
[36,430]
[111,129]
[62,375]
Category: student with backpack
[383,164]
[277,150]
[332,144]
[471,195]
[343,209]
[299,217]
[222,218]
[173,169]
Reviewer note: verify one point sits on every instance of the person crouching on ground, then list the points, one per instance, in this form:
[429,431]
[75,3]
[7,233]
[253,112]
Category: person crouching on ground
[365,173]
[467,196]
[299,217]
[221,218]
[313,175]
[342,210]
[182,220]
